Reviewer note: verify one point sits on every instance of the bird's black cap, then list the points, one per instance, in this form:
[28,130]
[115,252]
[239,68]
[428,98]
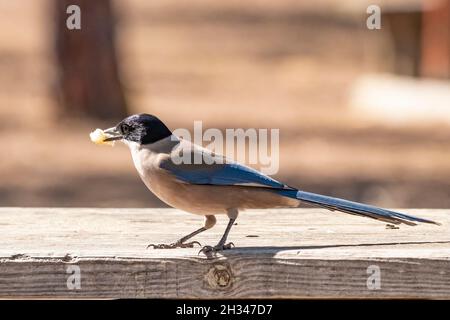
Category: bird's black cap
[143,128]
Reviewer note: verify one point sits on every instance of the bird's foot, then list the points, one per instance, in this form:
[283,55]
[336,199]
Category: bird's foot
[174,245]
[220,247]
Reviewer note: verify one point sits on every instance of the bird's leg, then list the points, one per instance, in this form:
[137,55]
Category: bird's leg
[181,243]
[232,214]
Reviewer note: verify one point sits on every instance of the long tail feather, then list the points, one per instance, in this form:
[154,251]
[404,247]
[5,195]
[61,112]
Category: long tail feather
[354,208]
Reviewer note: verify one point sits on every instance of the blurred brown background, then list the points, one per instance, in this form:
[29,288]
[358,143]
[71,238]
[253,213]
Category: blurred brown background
[363,114]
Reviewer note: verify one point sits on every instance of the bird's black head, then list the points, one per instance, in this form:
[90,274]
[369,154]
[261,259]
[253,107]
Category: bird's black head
[142,128]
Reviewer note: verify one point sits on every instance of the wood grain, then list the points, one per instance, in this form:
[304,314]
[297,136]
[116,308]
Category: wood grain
[282,253]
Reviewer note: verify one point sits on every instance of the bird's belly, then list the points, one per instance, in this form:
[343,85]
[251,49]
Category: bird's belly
[209,199]
[183,196]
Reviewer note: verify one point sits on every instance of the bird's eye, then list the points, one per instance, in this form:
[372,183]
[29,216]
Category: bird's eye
[125,129]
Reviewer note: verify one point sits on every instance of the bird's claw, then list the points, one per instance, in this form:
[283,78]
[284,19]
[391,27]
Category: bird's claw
[210,249]
[174,245]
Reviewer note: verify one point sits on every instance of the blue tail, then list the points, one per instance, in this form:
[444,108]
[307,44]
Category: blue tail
[351,207]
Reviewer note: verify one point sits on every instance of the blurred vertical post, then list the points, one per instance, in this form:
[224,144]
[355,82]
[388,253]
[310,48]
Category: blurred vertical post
[88,75]
[436,41]
[405,24]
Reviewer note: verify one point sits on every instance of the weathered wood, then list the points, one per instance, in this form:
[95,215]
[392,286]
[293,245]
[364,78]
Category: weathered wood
[288,253]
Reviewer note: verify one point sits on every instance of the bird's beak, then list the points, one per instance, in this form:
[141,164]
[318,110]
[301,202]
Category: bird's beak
[113,134]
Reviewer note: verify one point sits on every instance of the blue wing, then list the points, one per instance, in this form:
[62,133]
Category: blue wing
[228,174]
[220,174]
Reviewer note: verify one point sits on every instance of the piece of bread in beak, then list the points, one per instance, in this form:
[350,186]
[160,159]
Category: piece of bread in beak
[98,136]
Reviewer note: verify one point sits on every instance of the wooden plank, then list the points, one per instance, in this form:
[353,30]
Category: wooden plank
[283,253]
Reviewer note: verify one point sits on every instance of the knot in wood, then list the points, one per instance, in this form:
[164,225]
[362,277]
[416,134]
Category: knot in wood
[219,276]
